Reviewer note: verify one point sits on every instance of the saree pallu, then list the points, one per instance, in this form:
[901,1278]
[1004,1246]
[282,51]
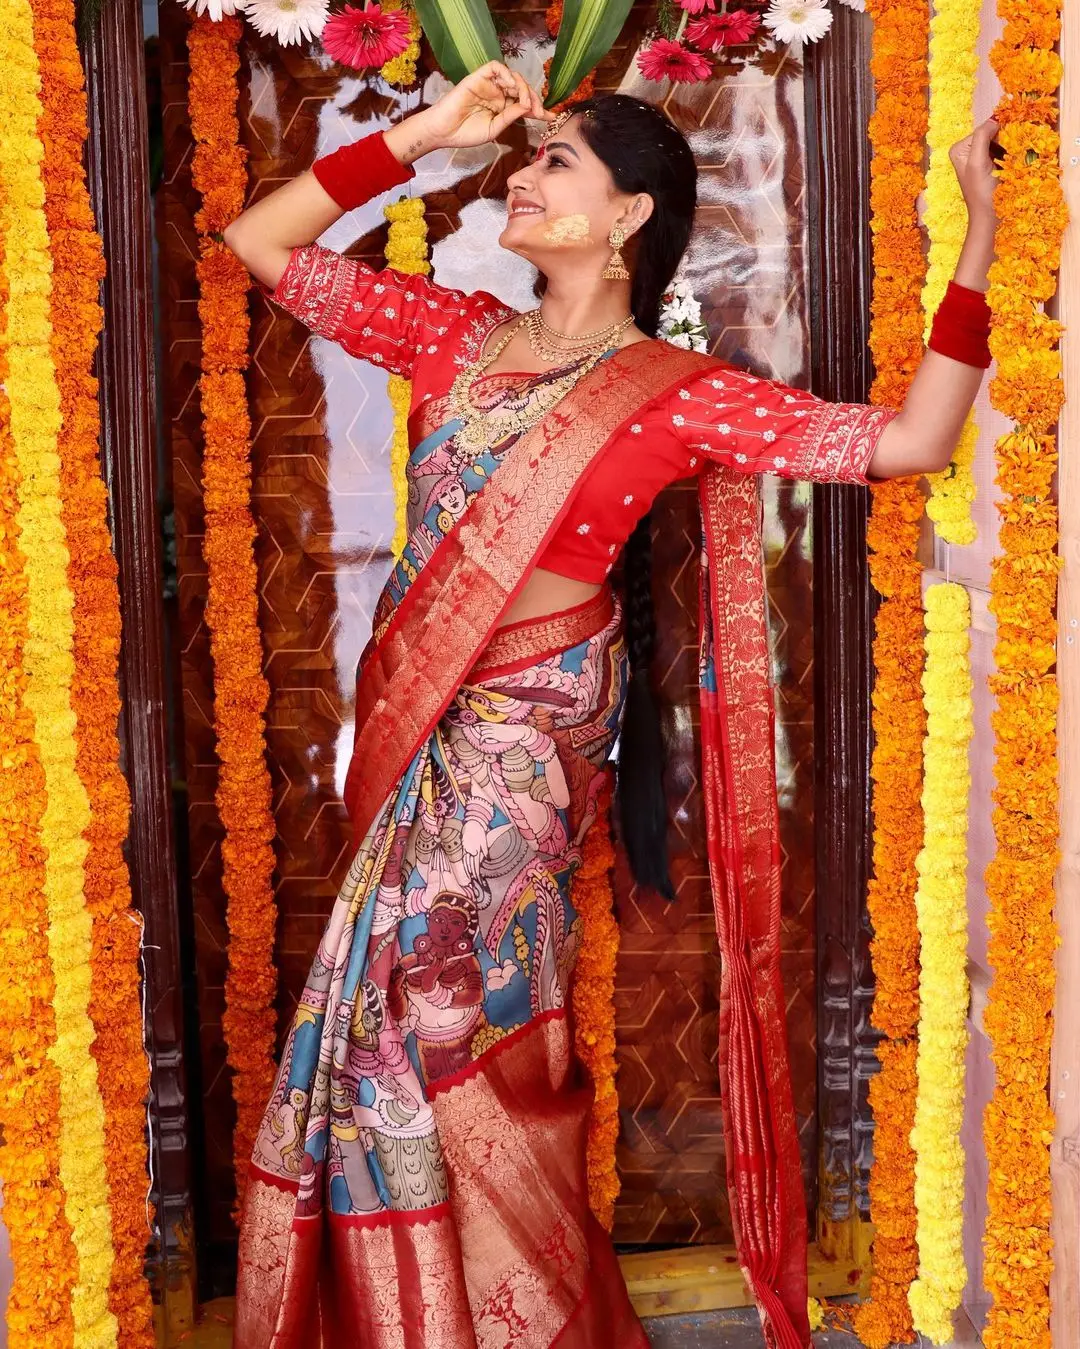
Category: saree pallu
[419,1178]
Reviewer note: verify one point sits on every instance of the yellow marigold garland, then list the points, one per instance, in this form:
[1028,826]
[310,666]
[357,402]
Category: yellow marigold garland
[941,903]
[1018,1122]
[48,661]
[406,251]
[897,131]
[115,1002]
[240,689]
[401,69]
[954,64]
[42,1253]
[594,1007]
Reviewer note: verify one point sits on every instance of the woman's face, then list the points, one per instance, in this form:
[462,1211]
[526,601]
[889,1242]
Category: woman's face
[562,206]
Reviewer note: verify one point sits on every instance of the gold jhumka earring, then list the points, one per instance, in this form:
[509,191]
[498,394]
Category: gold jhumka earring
[616,268]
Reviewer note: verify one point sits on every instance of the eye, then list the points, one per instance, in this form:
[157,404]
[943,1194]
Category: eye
[557,161]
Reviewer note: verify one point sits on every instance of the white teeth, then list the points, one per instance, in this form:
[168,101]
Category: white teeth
[527,210]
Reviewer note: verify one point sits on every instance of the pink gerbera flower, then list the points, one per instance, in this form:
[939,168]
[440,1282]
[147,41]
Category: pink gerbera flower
[697,6]
[723,30]
[666,60]
[366,37]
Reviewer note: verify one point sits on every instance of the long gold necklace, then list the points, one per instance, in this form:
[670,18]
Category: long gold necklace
[482,428]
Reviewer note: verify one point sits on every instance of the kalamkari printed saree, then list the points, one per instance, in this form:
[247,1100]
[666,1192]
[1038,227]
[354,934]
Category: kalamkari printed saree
[418,1181]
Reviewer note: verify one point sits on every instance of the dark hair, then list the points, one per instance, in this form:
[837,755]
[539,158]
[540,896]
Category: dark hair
[644,152]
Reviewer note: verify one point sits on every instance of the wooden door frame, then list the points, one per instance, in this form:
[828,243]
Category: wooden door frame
[119,183]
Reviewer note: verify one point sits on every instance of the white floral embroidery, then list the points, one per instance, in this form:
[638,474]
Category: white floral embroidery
[740,458]
[365,332]
[769,437]
[636,428]
[440,331]
[781,462]
[724,429]
[761,412]
[377,357]
[693,461]
[717,383]
[432,350]
[432,305]
[390,312]
[378,289]
[627,500]
[684,393]
[799,412]
[410,296]
[789,398]
[679,419]
[583,529]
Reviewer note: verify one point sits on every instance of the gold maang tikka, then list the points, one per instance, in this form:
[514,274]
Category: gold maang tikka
[555,127]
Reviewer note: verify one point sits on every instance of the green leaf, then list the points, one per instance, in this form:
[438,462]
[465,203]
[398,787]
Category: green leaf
[461,34]
[587,33]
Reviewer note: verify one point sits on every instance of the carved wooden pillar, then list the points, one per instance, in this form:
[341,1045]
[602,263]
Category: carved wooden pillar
[117,164]
[839,100]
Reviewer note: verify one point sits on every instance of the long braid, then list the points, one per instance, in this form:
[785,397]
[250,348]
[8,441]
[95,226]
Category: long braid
[642,806]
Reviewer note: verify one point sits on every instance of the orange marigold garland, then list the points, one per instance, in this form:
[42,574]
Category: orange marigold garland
[115,1003]
[594,1007]
[897,133]
[240,689]
[42,1251]
[1018,1123]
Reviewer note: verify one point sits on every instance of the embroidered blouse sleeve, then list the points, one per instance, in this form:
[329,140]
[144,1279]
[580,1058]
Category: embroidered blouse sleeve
[384,317]
[762,426]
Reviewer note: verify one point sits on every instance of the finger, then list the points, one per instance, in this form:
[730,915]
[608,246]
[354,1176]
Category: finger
[502,120]
[524,93]
[537,111]
[980,142]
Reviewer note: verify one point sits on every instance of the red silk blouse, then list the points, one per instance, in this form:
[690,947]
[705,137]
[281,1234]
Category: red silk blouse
[426,332]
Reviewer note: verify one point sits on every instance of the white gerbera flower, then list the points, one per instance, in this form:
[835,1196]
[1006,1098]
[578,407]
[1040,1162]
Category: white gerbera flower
[798,21]
[288,20]
[216,9]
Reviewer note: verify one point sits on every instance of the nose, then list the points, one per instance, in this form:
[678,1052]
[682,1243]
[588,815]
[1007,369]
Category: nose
[521,181]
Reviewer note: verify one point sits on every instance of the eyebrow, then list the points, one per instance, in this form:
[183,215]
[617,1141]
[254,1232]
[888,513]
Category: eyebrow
[561,145]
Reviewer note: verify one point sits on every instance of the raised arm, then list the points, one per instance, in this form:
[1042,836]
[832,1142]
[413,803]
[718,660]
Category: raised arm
[924,434]
[477,110]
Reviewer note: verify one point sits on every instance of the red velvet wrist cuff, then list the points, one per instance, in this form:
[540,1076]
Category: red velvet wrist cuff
[961,327]
[357,172]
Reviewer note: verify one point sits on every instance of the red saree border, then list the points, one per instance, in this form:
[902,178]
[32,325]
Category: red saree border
[764,1174]
[480,1064]
[516,646]
[452,609]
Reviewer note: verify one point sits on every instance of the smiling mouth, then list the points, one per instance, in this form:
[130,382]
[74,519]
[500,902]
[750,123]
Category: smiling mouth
[524,209]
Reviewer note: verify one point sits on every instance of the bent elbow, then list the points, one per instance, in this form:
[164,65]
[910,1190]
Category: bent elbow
[235,236]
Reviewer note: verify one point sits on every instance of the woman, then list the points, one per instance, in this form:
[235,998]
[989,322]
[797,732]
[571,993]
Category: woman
[418,1180]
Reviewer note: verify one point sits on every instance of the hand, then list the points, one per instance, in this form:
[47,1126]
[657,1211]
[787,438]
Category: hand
[474,112]
[975,173]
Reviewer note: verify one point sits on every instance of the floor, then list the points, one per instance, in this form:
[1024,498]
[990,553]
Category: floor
[725,1330]
[708,1330]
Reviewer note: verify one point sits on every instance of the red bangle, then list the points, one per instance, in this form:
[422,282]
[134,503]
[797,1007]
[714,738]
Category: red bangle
[357,172]
[961,327]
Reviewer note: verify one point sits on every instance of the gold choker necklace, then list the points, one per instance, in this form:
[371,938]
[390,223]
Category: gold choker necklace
[544,340]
